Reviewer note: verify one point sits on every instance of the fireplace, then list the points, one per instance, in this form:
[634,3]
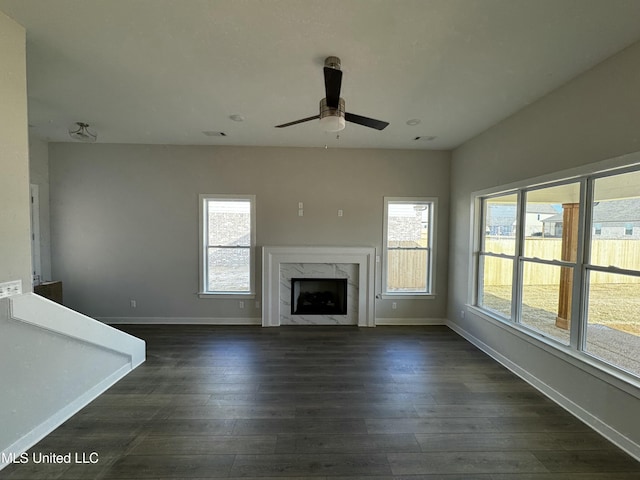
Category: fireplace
[318,296]
[356,265]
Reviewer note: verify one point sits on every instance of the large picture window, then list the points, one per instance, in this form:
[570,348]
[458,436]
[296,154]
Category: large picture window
[409,246]
[561,261]
[227,234]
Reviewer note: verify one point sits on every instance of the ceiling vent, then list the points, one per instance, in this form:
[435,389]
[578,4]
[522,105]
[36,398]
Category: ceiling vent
[426,138]
[214,134]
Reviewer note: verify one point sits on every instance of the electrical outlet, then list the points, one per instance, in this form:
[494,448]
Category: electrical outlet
[134,304]
[241,303]
[394,305]
[462,314]
[8,289]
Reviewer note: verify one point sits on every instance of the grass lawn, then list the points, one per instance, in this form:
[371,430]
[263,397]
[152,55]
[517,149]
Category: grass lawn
[613,305]
[613,331]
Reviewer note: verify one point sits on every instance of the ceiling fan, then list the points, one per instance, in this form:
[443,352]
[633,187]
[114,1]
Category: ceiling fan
[332,112]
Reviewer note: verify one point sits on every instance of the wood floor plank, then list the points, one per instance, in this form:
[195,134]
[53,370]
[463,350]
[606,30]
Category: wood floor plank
[310,464]
[299,425]
[464,463]
[205,445]
[168,466]
[431,425]
[532,441]
[324,403]
[587,461]
[314,443]
[486,410]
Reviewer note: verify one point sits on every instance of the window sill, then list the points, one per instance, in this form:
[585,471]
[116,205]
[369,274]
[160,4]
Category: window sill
[220,296]
[407,296]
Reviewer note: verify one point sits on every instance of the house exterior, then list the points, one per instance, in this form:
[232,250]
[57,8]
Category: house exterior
[614,219]
[501,219]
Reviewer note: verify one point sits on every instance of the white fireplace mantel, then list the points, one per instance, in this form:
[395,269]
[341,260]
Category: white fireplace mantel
[362,257]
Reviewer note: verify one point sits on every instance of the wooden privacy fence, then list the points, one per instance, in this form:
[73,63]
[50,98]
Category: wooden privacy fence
[624,253]
[407,269]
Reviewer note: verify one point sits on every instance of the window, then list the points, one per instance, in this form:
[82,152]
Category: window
[548,262]
[497,254]
[612,279]
[569,269]
[227,232]
[409,226]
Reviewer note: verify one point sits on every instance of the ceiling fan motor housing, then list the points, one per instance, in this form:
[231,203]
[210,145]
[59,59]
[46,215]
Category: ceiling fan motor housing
[327,111]
[333,62]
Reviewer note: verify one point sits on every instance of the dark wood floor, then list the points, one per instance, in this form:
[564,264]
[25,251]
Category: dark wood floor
[320,402]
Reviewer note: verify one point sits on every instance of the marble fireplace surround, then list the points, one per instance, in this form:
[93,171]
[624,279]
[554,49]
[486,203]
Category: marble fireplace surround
[275,258]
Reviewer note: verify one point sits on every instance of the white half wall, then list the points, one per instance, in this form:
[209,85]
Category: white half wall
[53,362]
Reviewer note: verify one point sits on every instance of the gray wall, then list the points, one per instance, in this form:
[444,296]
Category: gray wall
[124,221]
[15,248]
[592,118]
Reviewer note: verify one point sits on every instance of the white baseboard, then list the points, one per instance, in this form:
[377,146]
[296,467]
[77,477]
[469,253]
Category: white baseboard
[569,405]
[181,320]
[411,321]
[245,321]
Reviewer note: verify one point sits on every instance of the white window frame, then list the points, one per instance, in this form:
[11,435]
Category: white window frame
[431,267]
[576,349]
[482,253]
[203,245]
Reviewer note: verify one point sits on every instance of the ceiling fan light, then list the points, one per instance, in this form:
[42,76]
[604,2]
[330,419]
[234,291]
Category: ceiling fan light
[331,118]
[332,123]
[81,132]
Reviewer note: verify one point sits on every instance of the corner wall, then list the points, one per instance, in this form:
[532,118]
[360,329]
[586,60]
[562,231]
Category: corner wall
[592,118]
[15,247]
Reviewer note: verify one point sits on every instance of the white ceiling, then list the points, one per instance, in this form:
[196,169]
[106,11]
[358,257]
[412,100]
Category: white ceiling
[164,71]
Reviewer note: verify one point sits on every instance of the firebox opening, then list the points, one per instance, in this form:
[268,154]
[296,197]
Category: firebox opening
[319,296]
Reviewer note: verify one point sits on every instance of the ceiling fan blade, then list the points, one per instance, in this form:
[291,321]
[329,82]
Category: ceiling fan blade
[365,121]
[295,122]
[332,84]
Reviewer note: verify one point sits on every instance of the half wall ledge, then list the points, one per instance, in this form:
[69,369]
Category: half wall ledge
[53,362]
